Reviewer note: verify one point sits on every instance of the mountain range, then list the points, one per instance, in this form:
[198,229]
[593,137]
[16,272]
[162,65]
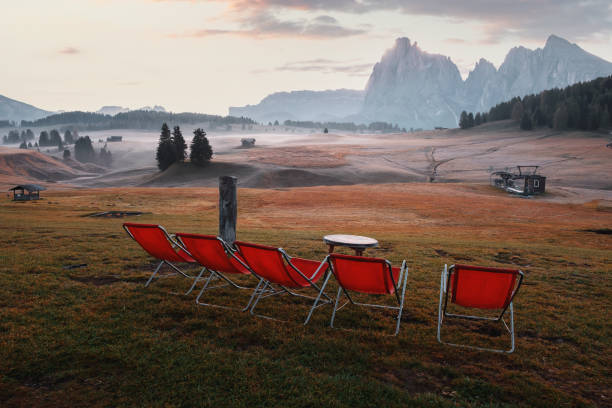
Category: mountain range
[413,88]
[16,111]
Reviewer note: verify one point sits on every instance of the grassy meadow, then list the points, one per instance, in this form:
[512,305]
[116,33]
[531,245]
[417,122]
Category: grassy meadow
[94,336]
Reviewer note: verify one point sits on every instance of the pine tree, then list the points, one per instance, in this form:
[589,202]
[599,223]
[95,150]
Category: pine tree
[68,139]
[201,152]
[470,119]
[165,149]
[180,147]
[560,118]
[66,154]
[106,158]
[55,138]
[463,120]
[83,150]
[23,145]
[477,119]
[526,123]
[604,120]
[517,111]
[43,139]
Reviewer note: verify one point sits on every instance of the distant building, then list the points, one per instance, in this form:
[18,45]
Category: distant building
[247,142]
[114,138]
[26,192]
[524,182]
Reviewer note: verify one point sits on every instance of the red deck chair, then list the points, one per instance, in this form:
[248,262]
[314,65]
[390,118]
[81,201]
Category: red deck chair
[368,275]
[159,244]
[219,259]
[480,288]
[279,273]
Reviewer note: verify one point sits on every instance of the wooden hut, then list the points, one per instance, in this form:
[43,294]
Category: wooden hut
[524,182]
[26,192]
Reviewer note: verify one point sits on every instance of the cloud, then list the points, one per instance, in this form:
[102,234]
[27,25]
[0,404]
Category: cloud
[327,66]
[262,24]
[69,51]
[577,20]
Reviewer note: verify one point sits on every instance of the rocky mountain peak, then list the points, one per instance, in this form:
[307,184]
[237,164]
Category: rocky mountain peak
[553,42]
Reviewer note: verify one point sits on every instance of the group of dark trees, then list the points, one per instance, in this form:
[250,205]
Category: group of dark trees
[383,127]
[172,148]
[15,137]
[133,120]
[468,120]
[85,152]
[83,147]
[584,106]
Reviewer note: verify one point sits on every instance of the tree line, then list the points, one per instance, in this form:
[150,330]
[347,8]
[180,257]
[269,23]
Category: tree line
[583,106]
[83,147]
[45,138]
[132,120]
[173,149]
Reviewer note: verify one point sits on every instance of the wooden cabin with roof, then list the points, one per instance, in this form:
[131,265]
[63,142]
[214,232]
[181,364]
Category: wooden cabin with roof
[524,182]
[26,192]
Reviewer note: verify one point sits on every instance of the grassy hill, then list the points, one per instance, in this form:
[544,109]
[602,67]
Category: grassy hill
[94,336]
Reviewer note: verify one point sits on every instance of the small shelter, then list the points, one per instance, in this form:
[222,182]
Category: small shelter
[247,142]
[26,192]
[525,181]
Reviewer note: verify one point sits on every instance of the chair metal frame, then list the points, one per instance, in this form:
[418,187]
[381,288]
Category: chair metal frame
[442,313]
[174,244]
[269,289]
[213,275]
[403,276]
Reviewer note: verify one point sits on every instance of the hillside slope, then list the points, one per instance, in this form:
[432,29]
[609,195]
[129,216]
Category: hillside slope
[11,109]
[28,166]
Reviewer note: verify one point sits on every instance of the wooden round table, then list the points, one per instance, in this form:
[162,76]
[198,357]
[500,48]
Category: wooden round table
[356,242]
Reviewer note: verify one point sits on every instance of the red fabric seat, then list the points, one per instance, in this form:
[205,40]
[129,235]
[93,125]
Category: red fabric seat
[154,240]
[364,275]
[479,287]
[210,252]
[267,262]
[482,287]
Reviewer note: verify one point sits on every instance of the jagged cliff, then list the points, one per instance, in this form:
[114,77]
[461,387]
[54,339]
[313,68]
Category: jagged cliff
[413,88]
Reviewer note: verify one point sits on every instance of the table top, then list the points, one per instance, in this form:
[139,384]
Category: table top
[351,241]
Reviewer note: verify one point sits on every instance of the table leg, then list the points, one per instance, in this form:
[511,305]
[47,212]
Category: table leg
[331,248]
[358,252]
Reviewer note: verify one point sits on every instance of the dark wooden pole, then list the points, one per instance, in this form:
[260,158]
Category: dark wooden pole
[228,208]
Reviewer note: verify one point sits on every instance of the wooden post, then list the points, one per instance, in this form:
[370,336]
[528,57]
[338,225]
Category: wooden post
[228,208]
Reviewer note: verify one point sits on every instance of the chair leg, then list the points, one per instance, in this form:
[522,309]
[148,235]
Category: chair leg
[210,276]
[314,305]
[331,323]
[401,306]
[511,329]
[154,273]
[442,290]
[253,295]
[261,292]
[195,281]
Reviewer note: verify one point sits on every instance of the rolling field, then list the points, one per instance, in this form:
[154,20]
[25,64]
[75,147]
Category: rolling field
[94,336]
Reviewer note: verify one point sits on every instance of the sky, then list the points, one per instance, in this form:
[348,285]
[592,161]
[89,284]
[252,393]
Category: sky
[204,56]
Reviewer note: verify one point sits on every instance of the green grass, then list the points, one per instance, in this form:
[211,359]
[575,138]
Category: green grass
[95,336]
